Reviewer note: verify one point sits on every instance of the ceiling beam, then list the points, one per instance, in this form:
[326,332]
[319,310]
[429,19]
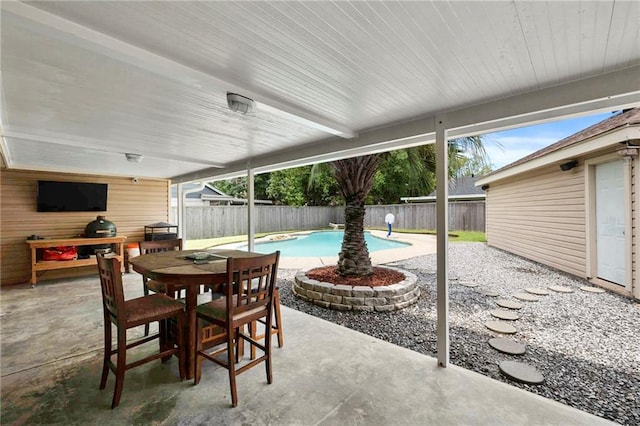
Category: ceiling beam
[111,148]
[607,92]
[412,133]
[602,93]
[70,32]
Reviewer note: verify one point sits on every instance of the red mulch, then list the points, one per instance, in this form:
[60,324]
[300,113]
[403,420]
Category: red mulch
[381,276]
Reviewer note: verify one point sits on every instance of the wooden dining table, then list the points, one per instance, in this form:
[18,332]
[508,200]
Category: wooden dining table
[178,268]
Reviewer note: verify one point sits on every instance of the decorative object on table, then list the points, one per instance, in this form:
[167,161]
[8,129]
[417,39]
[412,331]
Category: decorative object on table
[250,298]
[201,257]
[126,314]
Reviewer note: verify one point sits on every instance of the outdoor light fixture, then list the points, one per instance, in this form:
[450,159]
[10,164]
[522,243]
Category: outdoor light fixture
[568,165]
[133,158]
[239,103]
[484,187]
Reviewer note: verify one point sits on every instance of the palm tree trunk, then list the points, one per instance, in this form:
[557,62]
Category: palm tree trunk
[355,179]
[354,256]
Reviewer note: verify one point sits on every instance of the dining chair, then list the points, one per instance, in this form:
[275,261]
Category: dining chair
[126,314]
[147,247]
[248,297]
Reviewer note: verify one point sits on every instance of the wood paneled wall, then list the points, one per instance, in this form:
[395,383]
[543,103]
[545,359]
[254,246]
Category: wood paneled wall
[130,206]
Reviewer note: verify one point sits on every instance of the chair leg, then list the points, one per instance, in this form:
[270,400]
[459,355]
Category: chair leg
[182,352]
[121,367]
[197,374]
[145,289]
[276,327]
[267,350]
[163,340]
[107,353]
[253,333]
[278,317]
[231,358]
[240,345]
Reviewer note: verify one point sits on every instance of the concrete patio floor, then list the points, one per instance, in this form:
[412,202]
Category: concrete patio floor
[324,375]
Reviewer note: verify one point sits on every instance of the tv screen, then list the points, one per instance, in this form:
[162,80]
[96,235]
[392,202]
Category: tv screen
[71,196]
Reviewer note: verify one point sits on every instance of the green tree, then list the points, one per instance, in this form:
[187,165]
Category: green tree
[401,173]
[355,177]
[237,187]
[287,186]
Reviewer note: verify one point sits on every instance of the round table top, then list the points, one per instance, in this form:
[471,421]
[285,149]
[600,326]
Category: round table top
[165,265]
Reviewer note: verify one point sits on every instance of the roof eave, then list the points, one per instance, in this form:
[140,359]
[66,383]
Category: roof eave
[596,143]
[430,198]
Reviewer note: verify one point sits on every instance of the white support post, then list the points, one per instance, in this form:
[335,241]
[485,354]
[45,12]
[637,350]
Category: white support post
[442,242]
[180,209]
[250,210]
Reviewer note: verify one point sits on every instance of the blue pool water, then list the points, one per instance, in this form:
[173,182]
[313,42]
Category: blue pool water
[322,243]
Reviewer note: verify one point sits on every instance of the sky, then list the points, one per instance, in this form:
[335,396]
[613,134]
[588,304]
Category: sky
[510,145]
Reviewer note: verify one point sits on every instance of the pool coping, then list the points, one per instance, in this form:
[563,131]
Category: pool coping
[420,245]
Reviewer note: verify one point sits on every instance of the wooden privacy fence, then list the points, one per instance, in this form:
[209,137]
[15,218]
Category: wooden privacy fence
[220,221]
[463,216]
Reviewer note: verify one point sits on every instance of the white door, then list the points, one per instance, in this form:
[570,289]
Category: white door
[610,222]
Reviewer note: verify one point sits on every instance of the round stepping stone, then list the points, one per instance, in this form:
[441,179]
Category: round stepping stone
[521,372]
[507,346]
[526,297]
[504,303]
[560,289]
[538,291]
[490,293]
[468,283]
[500,327]
[592,289]
[505,315]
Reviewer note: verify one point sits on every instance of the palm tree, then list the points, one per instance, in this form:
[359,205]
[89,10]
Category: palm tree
[355,179]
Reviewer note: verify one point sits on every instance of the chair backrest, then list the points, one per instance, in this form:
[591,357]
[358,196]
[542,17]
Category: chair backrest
[250,285]
[111,284]
[160,245]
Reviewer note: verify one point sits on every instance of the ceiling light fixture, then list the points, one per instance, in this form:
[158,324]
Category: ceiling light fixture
[239,103]
[133,158]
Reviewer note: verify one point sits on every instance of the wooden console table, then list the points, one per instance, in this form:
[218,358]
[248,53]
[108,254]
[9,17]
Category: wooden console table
[49,265]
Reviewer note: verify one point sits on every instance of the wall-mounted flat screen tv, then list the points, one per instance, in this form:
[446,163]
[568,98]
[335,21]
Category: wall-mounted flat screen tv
[71,196]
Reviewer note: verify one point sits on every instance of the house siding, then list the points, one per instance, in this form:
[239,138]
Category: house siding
[540,215]
[130,207]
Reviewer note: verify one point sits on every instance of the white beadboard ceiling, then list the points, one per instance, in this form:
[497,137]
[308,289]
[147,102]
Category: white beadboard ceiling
[84,82]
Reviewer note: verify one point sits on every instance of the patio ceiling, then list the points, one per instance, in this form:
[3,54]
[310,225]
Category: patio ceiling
[85,82]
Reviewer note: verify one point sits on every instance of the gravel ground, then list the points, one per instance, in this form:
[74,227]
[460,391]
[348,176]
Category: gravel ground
[586,345]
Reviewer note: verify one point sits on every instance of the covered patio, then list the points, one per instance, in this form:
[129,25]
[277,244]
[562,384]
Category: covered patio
[324,375]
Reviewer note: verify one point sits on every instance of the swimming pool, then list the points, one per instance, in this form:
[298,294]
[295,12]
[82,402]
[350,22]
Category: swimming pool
[321,243]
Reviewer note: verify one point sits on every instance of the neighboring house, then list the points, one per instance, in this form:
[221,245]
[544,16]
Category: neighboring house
[575,205]
[208,195]
[460,189]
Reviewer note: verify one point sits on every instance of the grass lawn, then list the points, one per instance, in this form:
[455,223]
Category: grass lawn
[454,236]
